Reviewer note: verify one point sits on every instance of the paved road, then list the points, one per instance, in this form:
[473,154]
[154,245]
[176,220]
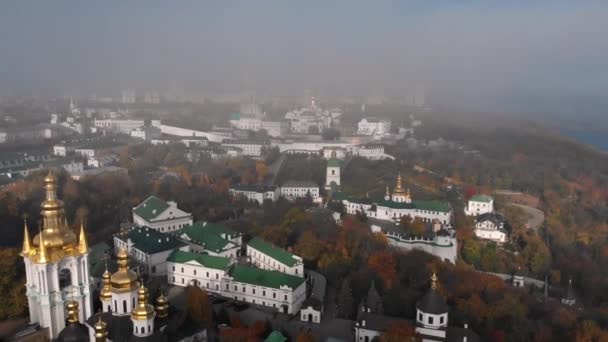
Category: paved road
[275,167]
[535,216]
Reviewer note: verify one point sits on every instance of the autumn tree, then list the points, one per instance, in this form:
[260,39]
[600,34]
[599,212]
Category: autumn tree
[309,246]
[383,263]
[198,306]
[305,336]
[399,331]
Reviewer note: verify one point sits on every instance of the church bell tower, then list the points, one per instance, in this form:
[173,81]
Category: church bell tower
[56,266]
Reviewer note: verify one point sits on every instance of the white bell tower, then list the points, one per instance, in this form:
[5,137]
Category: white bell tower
[56,266]
[333,173]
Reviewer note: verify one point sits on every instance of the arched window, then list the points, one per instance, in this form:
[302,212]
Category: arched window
[143,330]
[65,278]
[124,306]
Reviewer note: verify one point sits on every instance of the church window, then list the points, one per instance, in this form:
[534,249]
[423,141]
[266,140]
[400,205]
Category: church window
[430,320]
[143,330]
[115,306]
[441,320]
[133,302]
[124,306]
[65,278]
[420,316]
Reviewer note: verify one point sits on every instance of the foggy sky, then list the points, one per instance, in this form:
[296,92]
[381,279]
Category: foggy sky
[467,50]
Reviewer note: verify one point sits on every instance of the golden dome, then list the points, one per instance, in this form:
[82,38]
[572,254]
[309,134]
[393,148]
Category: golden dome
[399,190]
[162,306]
[143,311]
[106,291]
[72,308]
[124,279]
[101,332]
[55,228]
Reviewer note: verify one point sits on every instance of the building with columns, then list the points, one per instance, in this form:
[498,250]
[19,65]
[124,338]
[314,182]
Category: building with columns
[56,266]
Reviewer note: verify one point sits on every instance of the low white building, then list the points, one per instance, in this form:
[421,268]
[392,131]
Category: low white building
[255,192]
[479,204]
[298,189]
[146,133]
[160,215]
[273,289]
[102,160]
[373,126]
[266,256]
[250,148]
[211,238]
[334,152]
[189,268]
[371,152]
[117,125]
[490,226]
[149,248]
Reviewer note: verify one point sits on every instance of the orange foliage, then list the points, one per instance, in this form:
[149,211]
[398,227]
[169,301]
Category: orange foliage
[385,266]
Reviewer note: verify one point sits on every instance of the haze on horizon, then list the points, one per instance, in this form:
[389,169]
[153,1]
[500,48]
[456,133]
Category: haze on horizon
[477,53]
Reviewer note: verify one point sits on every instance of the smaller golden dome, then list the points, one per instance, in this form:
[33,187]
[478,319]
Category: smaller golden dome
[106,291]
[124,279]
[72,308]
[143,311]
[162,306]
[101,331]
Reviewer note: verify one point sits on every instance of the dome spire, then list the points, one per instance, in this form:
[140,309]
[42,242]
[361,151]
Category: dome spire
[434,281]
[42,257]
[82,240]
[72,308]
[27,246]
[105,295]
[143,311]
[162,305]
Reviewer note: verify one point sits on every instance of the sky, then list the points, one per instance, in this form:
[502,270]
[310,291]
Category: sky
[458,50]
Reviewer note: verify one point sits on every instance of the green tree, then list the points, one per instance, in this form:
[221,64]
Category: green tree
[471,252]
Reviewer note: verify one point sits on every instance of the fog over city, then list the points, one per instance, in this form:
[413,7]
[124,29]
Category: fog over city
[469,53]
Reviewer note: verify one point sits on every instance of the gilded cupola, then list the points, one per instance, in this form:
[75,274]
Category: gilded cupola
[162,306]
[57,234]
[101,330]
[143,311]
[123,280]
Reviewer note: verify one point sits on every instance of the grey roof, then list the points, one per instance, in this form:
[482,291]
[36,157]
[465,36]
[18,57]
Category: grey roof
[74,332]
[492,217]
[432,303]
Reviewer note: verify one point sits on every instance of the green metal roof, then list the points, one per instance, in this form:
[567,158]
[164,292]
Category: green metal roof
[208,237]
[429,205]
[274,252]
[150,241]
[333,163]
[220,230]
[481,198]
[209,261]
[151,208]
[275,336]
[266,278]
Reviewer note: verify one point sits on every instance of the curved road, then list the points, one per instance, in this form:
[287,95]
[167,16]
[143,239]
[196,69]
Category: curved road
[535,216]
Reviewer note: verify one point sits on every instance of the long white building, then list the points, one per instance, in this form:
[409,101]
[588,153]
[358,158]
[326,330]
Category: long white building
[160,215]
[250,148]
[397,205]
[204,271]
[255,192]
[266,256]
[274,289]
[119,125]
[298,189]
[490,226]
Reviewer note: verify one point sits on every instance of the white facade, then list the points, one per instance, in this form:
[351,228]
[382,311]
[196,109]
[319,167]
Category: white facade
[490,227]
[116,125]
[194,272]
[160,215]
[101,160]
[146,133]
[249,148]
[310,314]
[373,126]
[286,299]
[332,173]
[274,258]
[479,204]
[299,189]
[154,263]
[256,193]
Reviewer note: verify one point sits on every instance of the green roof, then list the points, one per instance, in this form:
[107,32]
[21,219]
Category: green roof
[333,163]
[266,278]
[275,336]
[221,230]
[481,198]
[209,261]
[151,208]
[206,235]
[274,252]
[150,241]
[417,204]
